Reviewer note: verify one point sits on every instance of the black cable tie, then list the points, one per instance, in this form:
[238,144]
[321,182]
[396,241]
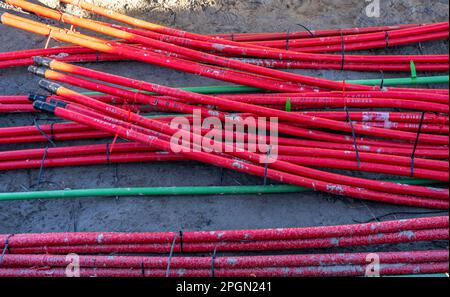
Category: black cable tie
[343,51]
[116,176]
[306,28]
[170,256]
[386,37]
[416,142]
[232,36]
[181,241]
[42,167]
[266,167]
[142,269]
[49,139]
[107,154]
[213,259]
[7,242]
[97,58]
[5,248]
[222,173]
[382,80]
[52,132]
[287,39]
[353,135]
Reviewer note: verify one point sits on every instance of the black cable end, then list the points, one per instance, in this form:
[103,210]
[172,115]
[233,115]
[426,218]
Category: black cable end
[58,103]
[49,86]
[36,97]
[37,70]
[44,106]
[42,61]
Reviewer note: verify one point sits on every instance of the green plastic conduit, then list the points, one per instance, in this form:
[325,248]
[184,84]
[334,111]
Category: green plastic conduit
[175,191]
[368,82]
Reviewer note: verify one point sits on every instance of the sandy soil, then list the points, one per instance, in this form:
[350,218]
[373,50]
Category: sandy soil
[195,213]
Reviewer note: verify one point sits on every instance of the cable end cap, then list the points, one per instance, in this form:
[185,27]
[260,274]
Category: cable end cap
[49,85]
[58,103]
[37,70]
[42,61]
[36,97]
[44,106]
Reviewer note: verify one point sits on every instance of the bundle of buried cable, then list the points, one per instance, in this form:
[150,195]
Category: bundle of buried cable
[373,125]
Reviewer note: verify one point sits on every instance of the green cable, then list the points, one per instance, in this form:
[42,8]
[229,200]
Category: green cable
[369,82]
[419,275]
[403,81]
[178,191]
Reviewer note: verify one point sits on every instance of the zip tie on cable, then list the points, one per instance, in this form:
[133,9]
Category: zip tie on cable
[416,142]
[47,42]
[116,177]
[222,173]
[61,18]
[288,34]
[181,241]
[108,161]
[41,169]
[114,142]
[142,269]
[386,38]
[343,51]
[287,39]
[52,132]
[349,120]
[382,80]
[5,248]
[306,28]
[49,138]
[171,255]
[107,154]
[354,136]
[213,259]
[266,167]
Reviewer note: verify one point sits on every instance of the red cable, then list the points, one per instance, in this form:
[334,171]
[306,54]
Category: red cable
[273,234]
[346,271]
[228,262]
[248,37]
[205,157]
[233,105]
[405,236]
[154,125]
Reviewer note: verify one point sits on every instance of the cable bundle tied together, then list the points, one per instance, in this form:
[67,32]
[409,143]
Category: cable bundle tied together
[311,140]
[34,255]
